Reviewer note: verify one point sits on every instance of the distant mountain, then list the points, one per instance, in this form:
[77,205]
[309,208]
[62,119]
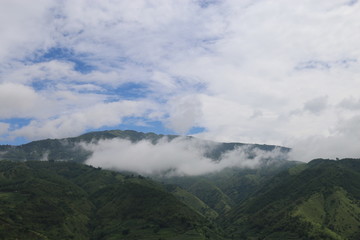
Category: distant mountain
[64,200]
[209,195]
[318,200]
[278,199]
[59,198]
[70,149]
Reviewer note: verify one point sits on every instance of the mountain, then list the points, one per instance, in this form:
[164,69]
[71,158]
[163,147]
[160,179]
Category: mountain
[223,189]
[318,200]
[277,199]
[65,200]
[71,149]
[68,200]
[209,196]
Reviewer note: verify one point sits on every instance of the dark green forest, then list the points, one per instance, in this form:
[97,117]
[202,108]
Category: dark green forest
[62,198]
[65,200]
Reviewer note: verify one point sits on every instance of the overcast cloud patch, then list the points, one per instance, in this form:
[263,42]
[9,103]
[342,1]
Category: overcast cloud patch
[249,71]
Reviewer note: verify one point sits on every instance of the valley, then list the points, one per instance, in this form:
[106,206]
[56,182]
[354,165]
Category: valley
[60,197]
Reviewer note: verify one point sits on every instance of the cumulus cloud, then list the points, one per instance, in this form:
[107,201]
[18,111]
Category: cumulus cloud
[316,105]
[239,70]
[184,112]
[180,156]
[24,30]
[350,103]
[331,147]
[4,128]
[342,142]
[349,127]
[18,100]
[73,124]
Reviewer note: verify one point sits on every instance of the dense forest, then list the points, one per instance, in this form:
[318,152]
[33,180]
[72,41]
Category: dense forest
[59,199]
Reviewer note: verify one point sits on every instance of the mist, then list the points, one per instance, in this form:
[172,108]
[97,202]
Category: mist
[331,147]
[177,157]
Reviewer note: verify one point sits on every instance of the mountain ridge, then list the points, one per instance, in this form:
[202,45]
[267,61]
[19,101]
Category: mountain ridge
[69,149]
[66,200]
[278,199]
[285,205]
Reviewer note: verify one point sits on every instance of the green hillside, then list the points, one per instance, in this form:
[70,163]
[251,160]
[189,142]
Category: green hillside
[63,200]
[212,196]
[192,201]
[319,200]
[222,190]
[67,200]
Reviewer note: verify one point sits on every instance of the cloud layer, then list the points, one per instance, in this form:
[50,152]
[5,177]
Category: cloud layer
[180,156]
[276,72]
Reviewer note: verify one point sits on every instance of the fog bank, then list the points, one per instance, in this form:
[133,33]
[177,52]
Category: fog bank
[331,147]
[180,156]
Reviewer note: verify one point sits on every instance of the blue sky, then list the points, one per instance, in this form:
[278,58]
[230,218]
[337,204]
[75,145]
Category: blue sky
[274,72]
[126,91]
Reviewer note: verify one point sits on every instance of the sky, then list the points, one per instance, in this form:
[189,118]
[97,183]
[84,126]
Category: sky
[275,72]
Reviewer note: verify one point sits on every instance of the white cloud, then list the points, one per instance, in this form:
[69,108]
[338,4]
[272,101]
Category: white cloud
[180,156]
[342,142]
[56,71]
[331,147]
[18,101]
[349,127]
[247,71]
[185,112]
[4,128]
[350,103]
[37,72]
[73,124]
[316,105]
[24,29]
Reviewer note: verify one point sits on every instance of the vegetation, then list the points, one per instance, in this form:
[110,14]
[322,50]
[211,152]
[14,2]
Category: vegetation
[56,199]
[64,200]
[222,190]
[320,201]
